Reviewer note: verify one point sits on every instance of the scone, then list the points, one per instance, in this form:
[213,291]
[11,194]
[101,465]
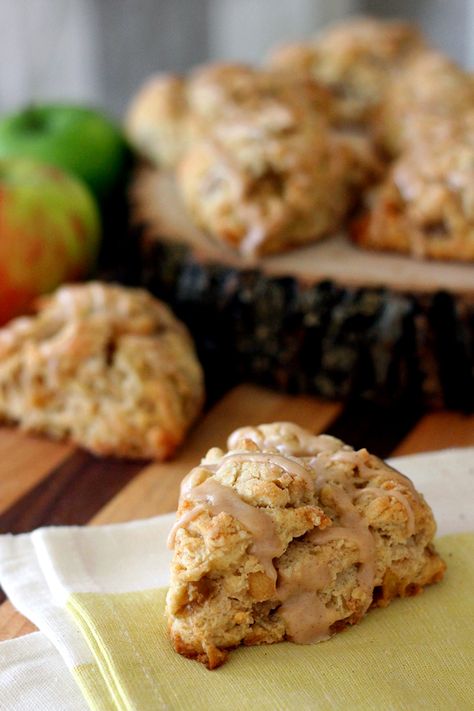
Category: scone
[107,367]
[353,59]
[170,112]
[273,176]
[219,89]
[158,121]
[291,536]
[428,89]
[425,206]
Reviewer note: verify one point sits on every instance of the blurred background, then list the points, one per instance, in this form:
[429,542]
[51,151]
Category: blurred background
[99,51]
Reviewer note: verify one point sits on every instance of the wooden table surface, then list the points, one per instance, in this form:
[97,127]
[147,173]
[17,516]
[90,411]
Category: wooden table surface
[44,483]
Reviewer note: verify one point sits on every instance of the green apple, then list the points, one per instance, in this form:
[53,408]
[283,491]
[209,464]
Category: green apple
[72,137]
[49,232]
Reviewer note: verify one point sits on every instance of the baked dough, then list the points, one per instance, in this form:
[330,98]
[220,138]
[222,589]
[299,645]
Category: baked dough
[291,536]
[353,60]
[273,175]
[170,112]
[425,206]
[107,367]
[429,89]
[158,121]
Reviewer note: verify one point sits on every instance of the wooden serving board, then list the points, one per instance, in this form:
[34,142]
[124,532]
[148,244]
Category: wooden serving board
[327,319]
[158,204]
[44,483]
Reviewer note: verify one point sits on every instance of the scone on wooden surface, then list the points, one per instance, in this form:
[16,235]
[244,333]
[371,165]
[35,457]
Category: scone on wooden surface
[291,536]
[158,122]
[170,112]
[429,88]
[425,205]
[273,176]
[107,367]
[353,60]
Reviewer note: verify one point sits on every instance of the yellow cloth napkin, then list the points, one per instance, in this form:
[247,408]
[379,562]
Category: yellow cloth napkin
[416,654]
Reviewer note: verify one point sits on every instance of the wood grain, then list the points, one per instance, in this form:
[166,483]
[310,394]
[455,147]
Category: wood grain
[12,622]
[71,494]
[155,490]
[24,462]
[437,431]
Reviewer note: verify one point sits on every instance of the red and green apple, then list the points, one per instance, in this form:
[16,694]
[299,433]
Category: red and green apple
[76,138]
[49,232]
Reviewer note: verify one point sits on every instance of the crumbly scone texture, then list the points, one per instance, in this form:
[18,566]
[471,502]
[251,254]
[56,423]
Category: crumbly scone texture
[158,121]
[427,90]
[353,60]
[171,112]
[107,367]
[425,205]
[273,175]
[291,536]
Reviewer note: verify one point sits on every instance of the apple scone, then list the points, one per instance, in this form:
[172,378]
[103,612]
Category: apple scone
[170,112]
[291,536]
[273,176]
[425,205]
[429,89]
[353,60]
[107,367]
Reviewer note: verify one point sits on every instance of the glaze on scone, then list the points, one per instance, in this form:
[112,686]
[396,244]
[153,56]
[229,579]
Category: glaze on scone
[428,89]
[425,206]
[353,59]
[291,536]
[273,175]
[107,367]
[158,122]
[170,112]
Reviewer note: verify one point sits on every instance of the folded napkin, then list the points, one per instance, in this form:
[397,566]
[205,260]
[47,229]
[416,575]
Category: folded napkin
[98,595]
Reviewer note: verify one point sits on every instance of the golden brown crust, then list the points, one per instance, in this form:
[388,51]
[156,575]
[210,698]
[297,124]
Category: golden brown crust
[107,367]
[293,536]
[353,59]
[274,178]
[425,206]
[171,112]
[428,89]
[158,121]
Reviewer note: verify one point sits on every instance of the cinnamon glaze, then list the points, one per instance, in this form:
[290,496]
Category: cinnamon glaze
[222,499]
[307,616]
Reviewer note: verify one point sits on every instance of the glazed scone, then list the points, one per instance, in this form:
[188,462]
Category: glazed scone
[274,176]
[291,536]
[425,206]
[353,59]
[107,367]
[219,89]
[170,112]
[429,88]
[158,122]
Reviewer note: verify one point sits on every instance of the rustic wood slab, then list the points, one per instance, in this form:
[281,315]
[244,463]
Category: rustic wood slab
[158,205]
[328,319]
[71,486]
